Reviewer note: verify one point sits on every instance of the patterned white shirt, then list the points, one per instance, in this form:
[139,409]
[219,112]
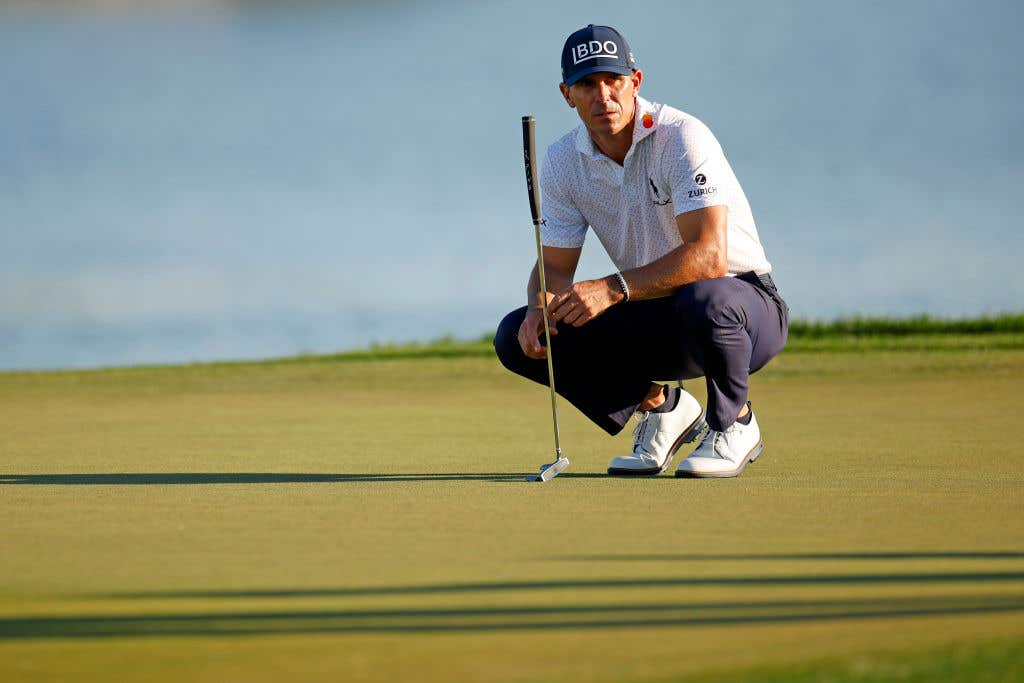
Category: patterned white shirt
[674,165]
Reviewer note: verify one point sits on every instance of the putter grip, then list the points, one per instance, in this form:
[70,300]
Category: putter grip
[529,156]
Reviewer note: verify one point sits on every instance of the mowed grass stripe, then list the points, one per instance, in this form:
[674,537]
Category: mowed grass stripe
[616,584]
[500,618]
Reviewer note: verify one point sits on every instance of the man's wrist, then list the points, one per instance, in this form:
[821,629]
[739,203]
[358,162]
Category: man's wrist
[617,284]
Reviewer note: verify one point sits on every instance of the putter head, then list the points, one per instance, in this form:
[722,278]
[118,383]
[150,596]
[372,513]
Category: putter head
[550,470]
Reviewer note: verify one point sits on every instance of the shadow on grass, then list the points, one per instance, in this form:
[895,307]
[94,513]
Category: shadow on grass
[581,584]
[500,619]
[177,478]
[685,557]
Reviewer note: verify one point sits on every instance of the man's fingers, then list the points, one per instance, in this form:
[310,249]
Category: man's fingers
[577,309]
[559,299]
[578,316]
[537,349]
[564,308]
[534,350]
[557,310]
[529,337]
[557,306]
[526,339]
[576,306]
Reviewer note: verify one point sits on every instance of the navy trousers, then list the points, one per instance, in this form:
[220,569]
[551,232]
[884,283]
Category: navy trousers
[722,329]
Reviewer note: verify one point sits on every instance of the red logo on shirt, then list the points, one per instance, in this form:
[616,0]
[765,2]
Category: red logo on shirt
[648,120]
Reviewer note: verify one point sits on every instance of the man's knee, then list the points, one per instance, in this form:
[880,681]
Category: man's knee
[506,340]
[707,303]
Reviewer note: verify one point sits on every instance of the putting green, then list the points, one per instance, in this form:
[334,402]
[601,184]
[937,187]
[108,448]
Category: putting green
[367,520]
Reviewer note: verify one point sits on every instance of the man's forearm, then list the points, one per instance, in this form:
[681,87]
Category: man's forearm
[685,264]
[557,280]
[585,300]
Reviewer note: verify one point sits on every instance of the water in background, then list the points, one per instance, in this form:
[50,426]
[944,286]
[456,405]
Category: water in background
[250,180]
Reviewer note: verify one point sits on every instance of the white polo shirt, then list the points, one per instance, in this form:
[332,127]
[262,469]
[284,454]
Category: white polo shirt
[675,165]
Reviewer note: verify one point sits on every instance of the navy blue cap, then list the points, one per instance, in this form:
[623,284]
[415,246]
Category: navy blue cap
[593,49]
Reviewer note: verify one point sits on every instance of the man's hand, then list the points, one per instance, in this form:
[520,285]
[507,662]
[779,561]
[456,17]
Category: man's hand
[584,301]
[530,333]
[560,264]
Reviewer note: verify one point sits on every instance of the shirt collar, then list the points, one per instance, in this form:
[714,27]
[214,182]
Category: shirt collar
[646,113]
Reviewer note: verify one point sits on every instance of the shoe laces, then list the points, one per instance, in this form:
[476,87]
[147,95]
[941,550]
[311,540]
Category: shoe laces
[640,437]
[715,436]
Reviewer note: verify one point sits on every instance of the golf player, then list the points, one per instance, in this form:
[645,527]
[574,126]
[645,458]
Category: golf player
[692,295]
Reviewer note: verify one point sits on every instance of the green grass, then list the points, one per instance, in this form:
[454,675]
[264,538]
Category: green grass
[359,519]
[997,662]
[862,326]
[922,333]
[797,344]
[859,334]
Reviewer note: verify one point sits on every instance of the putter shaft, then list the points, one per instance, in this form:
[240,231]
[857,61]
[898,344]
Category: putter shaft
[560,463]
[547,337]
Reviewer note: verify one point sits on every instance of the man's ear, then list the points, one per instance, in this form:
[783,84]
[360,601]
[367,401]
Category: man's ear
[565,93]
[637,78]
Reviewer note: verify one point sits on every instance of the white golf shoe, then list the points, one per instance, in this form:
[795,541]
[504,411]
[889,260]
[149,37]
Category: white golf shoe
[724,454]
[658,436]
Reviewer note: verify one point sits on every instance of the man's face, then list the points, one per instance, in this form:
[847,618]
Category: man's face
[604,100]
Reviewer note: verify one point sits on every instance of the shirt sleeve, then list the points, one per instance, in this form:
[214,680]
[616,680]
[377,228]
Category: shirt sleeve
[695,167]
[563,225]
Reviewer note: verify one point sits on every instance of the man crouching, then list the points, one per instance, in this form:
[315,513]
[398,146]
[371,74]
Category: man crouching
[692,297]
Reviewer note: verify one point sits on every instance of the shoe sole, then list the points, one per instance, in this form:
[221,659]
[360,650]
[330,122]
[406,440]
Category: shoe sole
[688,436]
[751,457]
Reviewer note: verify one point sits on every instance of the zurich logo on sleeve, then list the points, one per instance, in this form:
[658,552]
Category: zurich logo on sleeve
[701,191]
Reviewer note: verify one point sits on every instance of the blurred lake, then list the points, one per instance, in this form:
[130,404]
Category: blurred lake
[245,180]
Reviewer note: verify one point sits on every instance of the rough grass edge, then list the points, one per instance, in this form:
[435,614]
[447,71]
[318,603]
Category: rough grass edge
[849,343]
[856,334]
[922,325]
[983,662]
[919,333]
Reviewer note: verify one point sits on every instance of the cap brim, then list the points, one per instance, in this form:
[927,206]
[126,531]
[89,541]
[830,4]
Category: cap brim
[611,68]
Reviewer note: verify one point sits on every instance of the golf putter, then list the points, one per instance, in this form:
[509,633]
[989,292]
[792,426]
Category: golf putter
[552,469]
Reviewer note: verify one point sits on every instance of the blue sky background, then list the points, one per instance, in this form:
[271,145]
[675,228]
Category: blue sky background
[245,180]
